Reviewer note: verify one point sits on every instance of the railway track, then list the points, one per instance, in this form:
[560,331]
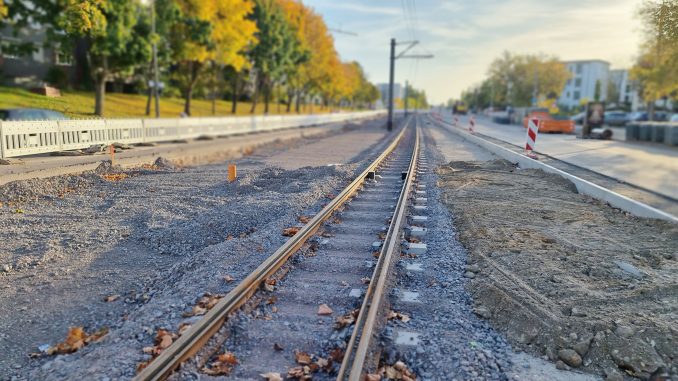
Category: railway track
[322,296]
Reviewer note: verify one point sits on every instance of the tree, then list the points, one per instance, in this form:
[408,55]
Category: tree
[275,53]
[655,70]
[107,29]
[3,10]
[209,32]
[512,79]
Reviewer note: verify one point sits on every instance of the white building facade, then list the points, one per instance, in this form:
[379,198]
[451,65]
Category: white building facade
[582,83]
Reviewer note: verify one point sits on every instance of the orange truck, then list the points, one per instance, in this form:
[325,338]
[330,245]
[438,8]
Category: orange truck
[548,124]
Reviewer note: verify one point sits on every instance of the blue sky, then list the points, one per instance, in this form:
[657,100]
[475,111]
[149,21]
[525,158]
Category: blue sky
[465,36]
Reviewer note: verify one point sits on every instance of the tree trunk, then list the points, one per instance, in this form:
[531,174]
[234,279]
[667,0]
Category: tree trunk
[236,89]
[148,101]
[100,96]
[290,98]
[257,86]
[297,101]
[194,69]
[267,96]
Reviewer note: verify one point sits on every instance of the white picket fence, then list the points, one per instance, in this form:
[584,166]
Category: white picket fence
[20,138]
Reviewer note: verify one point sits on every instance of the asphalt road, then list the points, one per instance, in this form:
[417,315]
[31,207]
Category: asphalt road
[649,166]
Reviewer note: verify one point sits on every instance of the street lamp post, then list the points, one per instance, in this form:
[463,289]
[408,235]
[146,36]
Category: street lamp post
[156,79]
[411,44]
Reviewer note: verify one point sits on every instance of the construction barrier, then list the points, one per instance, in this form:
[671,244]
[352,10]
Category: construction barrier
[658,132]
[532,131]
[21,138]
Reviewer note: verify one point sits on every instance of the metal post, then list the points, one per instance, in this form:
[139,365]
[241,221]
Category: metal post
[155,63]
[390,86]
[406,95]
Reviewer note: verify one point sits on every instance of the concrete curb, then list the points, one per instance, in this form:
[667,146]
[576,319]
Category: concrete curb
[583,186]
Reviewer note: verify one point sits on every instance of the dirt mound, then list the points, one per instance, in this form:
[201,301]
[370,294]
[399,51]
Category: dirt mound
[563,275]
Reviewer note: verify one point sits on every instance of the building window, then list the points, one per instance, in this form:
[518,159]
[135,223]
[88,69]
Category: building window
[63,58]
[569,82]
[576,95]
[579,68]
[577,82]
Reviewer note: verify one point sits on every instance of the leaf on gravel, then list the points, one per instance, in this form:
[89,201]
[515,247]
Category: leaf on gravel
[269,284]
[397,315]
[115,176]
[111,298]
[272,376]
[163,339]
[271,300]
[324,310]
[19,211]
[302,358]
[337,354]
[228,279]
[205,304]
[397,371]
[290,232]
[348,319]
[278,347]
[372,377]
[304,219]
[376,254]
[223,365]
[365,280]
[76,339]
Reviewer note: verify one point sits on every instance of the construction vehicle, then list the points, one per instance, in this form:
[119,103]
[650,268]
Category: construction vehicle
[459,108]
[548,124]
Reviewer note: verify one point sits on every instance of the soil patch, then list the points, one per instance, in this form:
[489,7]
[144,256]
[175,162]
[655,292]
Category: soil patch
[563,275]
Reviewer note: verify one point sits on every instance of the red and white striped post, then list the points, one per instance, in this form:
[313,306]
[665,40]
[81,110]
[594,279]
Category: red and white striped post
[532,132]
[472,124]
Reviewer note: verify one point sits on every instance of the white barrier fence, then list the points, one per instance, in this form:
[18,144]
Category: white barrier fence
[20,138]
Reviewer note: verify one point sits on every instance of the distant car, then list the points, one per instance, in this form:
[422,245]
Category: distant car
[616,118]
[674,118]
[578,118]
[638,116]
[30,114]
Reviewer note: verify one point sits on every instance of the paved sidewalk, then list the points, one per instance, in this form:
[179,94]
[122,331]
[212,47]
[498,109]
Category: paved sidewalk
[649,166]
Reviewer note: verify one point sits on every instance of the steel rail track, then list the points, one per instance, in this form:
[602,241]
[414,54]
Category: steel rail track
[353,367]
[191,341]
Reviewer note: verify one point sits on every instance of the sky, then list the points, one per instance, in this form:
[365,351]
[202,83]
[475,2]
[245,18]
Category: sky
[466,35]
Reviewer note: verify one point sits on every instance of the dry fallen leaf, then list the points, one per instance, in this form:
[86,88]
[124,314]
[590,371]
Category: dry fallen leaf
[372,377]
[115,176]
[324,310]
[111,298]
[269,284]
[76,339]
[397,315]
[365,280]
[272,376]
[289,232]
[205,304]
[228,279]
[277,347]
[348,319]
[302,358]
[223,365]
[304,219]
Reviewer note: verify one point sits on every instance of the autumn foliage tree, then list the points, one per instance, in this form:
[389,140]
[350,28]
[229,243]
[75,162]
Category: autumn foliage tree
[206,31]
[656,69]
[108,29]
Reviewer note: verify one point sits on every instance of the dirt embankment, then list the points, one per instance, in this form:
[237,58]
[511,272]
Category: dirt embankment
[565,276]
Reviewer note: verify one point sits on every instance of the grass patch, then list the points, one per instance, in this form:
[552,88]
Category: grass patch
[80,104]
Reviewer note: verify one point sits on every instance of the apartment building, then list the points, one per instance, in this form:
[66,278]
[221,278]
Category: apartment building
[582,83]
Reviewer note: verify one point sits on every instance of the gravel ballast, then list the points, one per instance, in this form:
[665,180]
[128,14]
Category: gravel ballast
[152,240]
